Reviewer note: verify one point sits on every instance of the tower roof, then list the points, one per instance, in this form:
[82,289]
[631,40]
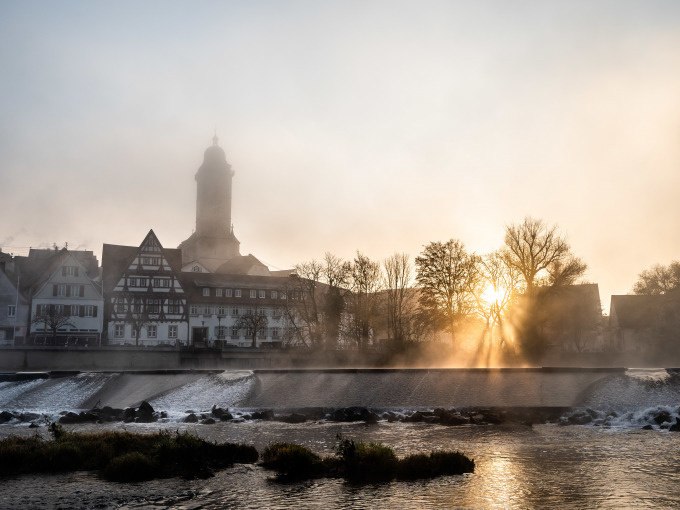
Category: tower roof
[214,153]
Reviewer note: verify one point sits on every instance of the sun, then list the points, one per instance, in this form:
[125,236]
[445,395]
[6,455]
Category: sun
[493,295]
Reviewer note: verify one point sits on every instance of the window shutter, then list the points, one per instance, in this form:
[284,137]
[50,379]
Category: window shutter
[94,311]
[82,291]
[81,311]
[63,270]
[68,290]
[76,271]
[67,310]
[54,290]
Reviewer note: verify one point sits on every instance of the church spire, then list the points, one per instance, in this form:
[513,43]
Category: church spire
[215,139]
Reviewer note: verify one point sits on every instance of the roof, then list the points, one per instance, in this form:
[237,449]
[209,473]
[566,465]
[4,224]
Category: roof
[116,258]
[244,264]
[636,311]
[41,263]
[193,283]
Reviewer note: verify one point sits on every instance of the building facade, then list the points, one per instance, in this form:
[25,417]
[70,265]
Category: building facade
[145,303]
[14,307]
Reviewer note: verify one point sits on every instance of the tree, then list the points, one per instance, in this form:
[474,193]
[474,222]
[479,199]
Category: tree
[136,314]
[254,322]
[363,307]
[497,286]
[446,276]
[399,307]
[545,262]
[540,255]
[658,279]
[336,273]
[53,318]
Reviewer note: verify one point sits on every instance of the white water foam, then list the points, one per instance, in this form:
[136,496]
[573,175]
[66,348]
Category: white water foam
[226,389]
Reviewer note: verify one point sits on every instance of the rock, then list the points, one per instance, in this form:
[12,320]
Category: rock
[676,426]
[292,418]
[28,416]
[164,414]
[191,418]
[208,421]
[218,412]
[107,413]
[145,413]
[350,414]
[451,417]
[6,416]
[69,418]
[647,427]
[226,417]
[662,417]
[129,414]
[267,414]
[33,425]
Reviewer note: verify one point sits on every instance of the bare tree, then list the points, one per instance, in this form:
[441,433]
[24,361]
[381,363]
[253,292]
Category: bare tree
[400,296]
[304,303]
[254,322]
[137,314]
[53,318]
[536,250]
[658,279]
[496,287]
[363,306]
[446,276]
[336,273]
[543,257]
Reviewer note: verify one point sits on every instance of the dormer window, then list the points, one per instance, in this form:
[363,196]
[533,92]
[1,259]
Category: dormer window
[206,291]
[196,269]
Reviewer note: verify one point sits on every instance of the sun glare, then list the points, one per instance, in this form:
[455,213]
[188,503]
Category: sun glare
[493,295]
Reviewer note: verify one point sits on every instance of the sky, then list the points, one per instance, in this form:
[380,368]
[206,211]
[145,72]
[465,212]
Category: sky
[369,125]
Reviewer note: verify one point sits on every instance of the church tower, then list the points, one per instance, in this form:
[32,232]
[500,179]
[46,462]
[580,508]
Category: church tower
[213,242]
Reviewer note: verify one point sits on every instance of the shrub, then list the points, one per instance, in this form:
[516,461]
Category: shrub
[433,465]
[130,467]
[366,462]
[292,461]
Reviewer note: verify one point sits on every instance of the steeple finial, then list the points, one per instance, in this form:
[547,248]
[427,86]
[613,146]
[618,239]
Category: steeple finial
[215,139]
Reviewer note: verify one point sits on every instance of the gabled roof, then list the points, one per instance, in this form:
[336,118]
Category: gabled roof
[636,311]
[243,264]
[40,264]
[192,283]
[117,258]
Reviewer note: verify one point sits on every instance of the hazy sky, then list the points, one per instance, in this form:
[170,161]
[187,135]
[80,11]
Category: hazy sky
[377,126]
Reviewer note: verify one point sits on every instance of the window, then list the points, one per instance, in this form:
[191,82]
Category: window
[120,305]
[276,313]
[151,261]
[262,312]
[153,305]
[283,295]
[275,294]
[237,293]
[58,309]
[137,306]
[88,310]
[227,292]
[193,310]
[234,312]
[137,282]
[234,333]
[69,271]
[161,282]
[119,331]
[275,333]
[77,290]
[206,291]
[174,306]
[11,311]
[61,289]
[253,293]
[220,332]
[151,331]
[196,269]
[172,331]
[263,294]
[207,310]
[218,292]
[221,311]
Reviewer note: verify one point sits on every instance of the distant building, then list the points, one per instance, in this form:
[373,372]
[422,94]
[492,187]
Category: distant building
[145,301]
[572,317]
[14,307]
[63,290]
[213,242]
[644,323]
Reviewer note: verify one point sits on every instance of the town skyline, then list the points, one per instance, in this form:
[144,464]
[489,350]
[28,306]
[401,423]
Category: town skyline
[415,129]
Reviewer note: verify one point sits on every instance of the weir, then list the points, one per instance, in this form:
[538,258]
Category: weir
[177,391]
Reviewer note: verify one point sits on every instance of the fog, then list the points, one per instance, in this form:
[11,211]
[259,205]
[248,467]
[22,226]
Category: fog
[377,126]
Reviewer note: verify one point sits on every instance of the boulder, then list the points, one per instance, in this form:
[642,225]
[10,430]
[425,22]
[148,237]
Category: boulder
[226,417]
[292,418]
[6,416]
[191,418]
[676,426]
[350,414]
[647,427]
[662,416]
[267,414]
[208,421]
[69,418]
[451,417]
[129,414]
[29,416]
[145,413]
